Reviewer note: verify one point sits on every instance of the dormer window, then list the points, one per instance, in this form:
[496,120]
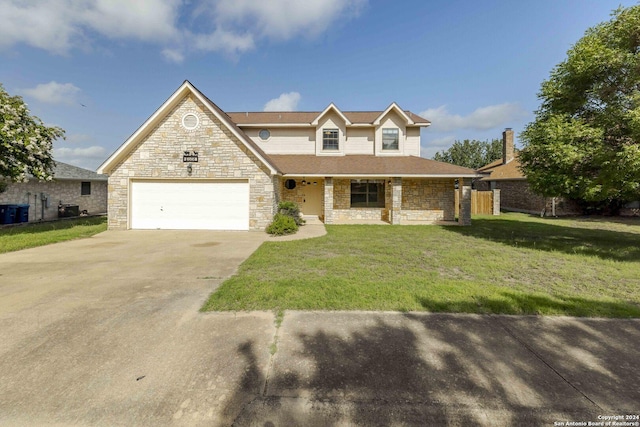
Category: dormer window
[390,138]
[330,139]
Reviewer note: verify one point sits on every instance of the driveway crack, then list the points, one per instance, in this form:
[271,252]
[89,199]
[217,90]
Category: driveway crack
[539,357]
[273,349]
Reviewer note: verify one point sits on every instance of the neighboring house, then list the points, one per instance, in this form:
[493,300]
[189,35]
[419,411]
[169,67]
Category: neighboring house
[71,185]
[193,166]
[515,194]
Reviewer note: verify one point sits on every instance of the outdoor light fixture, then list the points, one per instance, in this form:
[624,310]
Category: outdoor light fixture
[189,169]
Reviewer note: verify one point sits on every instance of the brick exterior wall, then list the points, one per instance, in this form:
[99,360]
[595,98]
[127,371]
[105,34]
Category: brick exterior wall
[516,195]
[428,200]
[221,156]
[65,191]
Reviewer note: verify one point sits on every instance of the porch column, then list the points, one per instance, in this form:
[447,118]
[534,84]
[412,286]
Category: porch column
[396,200]
[328,200]
[464,187]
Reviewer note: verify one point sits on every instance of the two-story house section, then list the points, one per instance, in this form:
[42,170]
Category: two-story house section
[193,166]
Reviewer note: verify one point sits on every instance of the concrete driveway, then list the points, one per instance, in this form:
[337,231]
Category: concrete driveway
[106,332]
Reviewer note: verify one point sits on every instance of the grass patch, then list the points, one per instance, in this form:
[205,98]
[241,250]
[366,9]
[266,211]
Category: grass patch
[39,234]
[511,264]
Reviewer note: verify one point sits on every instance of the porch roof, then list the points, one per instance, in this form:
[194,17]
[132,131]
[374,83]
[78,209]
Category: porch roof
[368,165]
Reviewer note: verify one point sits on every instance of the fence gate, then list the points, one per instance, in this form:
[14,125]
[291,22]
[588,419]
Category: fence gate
[481,202]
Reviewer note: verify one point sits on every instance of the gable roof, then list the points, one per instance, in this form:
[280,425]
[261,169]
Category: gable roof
[395,107]
[499,172]
[64,171]
[305,118]
[369,165]
[326,110]
[125,149]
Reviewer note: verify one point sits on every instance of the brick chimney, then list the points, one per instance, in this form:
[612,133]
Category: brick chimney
[507,146]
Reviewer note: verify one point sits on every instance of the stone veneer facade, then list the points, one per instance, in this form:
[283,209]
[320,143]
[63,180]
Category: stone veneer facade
[406,200]
[428,200]
[221,157]
[57,191]
[297,194]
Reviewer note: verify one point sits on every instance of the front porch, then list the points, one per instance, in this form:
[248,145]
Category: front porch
[388,200]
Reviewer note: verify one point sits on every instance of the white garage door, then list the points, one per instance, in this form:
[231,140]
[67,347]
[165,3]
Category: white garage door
[190,205]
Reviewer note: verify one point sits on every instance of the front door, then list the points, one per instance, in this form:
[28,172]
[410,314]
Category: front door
[312,198]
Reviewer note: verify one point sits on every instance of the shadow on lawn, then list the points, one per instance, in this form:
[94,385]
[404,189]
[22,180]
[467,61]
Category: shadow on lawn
[438,369]
[520,303]
[605,244]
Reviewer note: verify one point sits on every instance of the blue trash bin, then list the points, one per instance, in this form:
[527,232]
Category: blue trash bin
[7,214]
[22,213]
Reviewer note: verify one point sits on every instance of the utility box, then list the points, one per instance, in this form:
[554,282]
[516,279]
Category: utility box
[8,214]
[22,213]
[65,211]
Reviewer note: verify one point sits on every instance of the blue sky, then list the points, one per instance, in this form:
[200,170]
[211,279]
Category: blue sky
[99,68]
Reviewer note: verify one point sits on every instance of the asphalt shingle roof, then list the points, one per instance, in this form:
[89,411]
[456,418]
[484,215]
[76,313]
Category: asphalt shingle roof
[306,117]
[64,171]
[366,165]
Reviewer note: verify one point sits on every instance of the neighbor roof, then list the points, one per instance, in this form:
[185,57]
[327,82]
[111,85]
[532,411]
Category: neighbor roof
[64,171]
[368,165]
[306,117]
[499,172]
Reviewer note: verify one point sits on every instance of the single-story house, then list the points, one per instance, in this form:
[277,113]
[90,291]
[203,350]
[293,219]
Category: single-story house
[193,166]
[70,185]
[505,175]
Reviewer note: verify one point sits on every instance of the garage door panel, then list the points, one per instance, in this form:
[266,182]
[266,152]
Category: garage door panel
[190,205]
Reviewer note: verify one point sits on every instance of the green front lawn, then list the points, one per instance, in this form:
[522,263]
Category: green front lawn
[39,234]
[511,264]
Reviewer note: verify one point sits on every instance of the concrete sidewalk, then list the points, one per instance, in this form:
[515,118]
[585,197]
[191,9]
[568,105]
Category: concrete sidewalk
[379,369]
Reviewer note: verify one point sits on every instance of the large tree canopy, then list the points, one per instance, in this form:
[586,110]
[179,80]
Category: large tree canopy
[25,142]
[585,140]
[471,153]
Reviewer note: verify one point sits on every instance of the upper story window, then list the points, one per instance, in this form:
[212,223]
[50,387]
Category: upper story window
[390,138]
[264,134]
[330,139]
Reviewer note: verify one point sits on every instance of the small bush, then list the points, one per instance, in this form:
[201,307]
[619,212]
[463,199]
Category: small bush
[291,209]
[282,225]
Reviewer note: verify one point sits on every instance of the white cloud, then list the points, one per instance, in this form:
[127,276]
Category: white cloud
[285,102]
[483,118]
[54,93]
[173,55]
[222,40]
[61,25]
[228,26]
[87,157]
[285,19]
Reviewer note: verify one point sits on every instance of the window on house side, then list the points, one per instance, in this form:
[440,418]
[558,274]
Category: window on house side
[85,189]
[330,139]
[390,138]
[367,194]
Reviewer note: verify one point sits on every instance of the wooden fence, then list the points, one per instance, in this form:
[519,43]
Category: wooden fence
[481,202]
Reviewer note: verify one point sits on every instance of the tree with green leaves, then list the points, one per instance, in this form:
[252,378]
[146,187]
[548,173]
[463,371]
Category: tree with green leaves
[25,142]
[585,140]
[471,153]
